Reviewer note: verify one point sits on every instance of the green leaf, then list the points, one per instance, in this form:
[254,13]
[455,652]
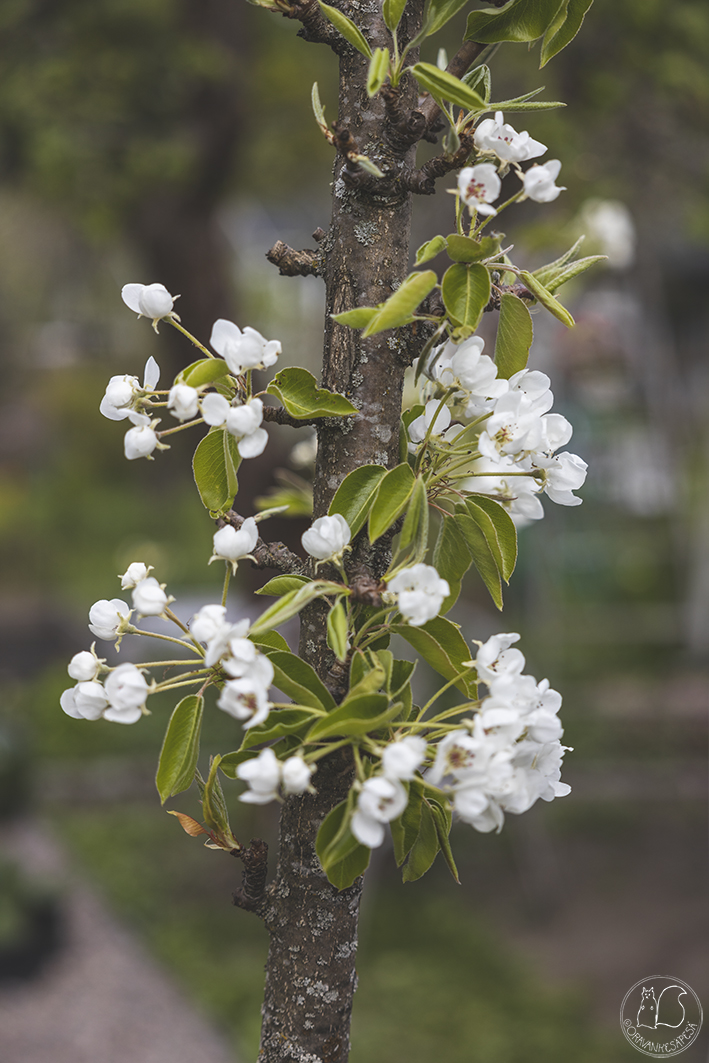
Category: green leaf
[546,273]
[504,528]
[214,809]
[215,464]
[506,557]
[401,672]
[357,318]
[367,676]
[347,28]
[204,371]
[521,103]
[448,87]
[356,716]
[441,645]
[479,76]
[318,109]
[543,296]
[337,631]
[405,829]
[395,490]
[442,823]
[280,722]
[555,40]
[465,249]
[180,748]
[451,559]
[342,857]
[399,307]
[483,558]
[298,391]
[573,270]
[291,604]
[282,585]
[439,12]
[269,641]
[425,848]
[230,762]
[515,333]
[392,10]
[378,69]
[430,249]
[518,20]
[299,680]
[414,534]
[355,495]
[466,293]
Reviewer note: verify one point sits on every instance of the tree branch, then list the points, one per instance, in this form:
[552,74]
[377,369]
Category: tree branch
[292,263]
[279,415]
[268,555]
[423,180]
[316,28]
[252,893]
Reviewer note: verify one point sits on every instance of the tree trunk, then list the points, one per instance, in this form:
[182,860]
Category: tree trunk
[311,962]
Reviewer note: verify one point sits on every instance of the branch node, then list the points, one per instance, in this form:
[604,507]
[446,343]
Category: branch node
[268,555]
[292,263]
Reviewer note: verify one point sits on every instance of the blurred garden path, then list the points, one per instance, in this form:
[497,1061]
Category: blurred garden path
[100,999]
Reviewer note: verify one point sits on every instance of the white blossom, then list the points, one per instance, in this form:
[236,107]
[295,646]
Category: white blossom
[518,494]
[296,775]
[243,350]
[149,300]
[106,618]
[135,572]
[435,417]
[539,182]
[327,538]
[84,666]
[232,544]
[464,366]
[85,701]
[244,422]
[218,644]
[496,660]
[243,661]
[126,690]
[561,475]
[479,186]
[401,759]
[245,700]
[215,409]
[123,391]
[141,440]
[420,593]
[183,402]
[263,774]
[149,598]
[380,800]
[494,135]
[208,622]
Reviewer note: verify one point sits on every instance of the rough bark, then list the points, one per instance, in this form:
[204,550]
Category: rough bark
[311,976]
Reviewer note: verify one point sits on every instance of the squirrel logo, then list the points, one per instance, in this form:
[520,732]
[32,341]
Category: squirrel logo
[651,1007]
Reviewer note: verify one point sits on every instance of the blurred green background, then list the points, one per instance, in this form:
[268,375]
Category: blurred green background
[172,141]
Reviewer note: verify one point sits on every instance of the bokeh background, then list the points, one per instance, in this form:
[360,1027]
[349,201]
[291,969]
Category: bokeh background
[173,141]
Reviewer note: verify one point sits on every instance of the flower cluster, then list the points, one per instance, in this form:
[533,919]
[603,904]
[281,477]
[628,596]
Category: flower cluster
[513,454]
[509,755]
[266,773]
[120,698]
[241,415]
[383,797]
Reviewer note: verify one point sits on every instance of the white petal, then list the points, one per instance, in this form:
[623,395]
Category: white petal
[223,333]
[253,445]
[151,374]
[130,294]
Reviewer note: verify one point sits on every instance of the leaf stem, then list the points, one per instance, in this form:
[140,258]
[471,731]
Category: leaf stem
[190,337]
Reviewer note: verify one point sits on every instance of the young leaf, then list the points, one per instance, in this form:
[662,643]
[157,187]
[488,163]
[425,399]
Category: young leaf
[205,371]
[342,874]
[365,680]
[189,825]
[442,823]
[347,28]
[357,716]
[414,534]
[447,86]
[342,857]
[521,103]
[318,109]
[440,12]
[556,39]
[399,307]
[479,78]
[425,848]
[466,293]
[504,560]
[430,249]
[465,249]
[360,317]
[514,336]
[355,495]
[483,558]
[215,465]
[298,391]
[337,631]
[291,604]
[441,645]
[214,809]
[543,296]
[394,492]
[573,270]
[392,10]
[299,680]
[517,20]
[180,749]
[505,530]
[545,273]
[378,69]
[451,559]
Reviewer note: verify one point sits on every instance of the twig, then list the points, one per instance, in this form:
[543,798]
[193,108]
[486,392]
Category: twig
[316,28]
[268,555]
[253,889]
[423,181]
[292,263]
[279,415]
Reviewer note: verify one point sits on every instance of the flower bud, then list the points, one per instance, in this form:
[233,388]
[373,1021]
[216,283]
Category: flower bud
[296,775]
[149,598]
[126,687]
[83,666]
[139,442]
[183,402]
[232,545]
[106,617]
[135,572]
[148,300]
[327,538]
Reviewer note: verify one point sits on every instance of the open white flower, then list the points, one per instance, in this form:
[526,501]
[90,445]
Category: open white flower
[494,135]
[263,774]
[435,417]
[214,409]
[420,593]
[327,537]
[183,402]
[245,700]
[401,759]
[122,391]
[243,350]
[208,622]
[380,800]
[497,661]
[479,186]
[244,422]
[149,300]
[539,182]
[562,474]
[107,618]
[149,598]
[126,690]
[243,661]
[231,544]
